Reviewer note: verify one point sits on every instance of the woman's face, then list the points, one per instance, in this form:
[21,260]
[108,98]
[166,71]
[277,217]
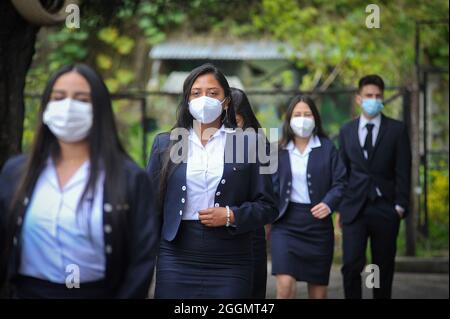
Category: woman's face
[302,109]
[207,85]
[71,85]
[239,121]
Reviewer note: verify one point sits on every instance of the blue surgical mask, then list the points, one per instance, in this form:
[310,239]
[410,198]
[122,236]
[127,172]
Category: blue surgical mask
[372,106]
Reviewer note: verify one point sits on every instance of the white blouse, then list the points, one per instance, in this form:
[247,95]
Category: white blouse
[203,172]
[55,237]
[299,165]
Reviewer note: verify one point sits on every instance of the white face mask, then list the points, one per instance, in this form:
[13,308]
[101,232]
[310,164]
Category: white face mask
[70,120]
[302,126]
[205,109]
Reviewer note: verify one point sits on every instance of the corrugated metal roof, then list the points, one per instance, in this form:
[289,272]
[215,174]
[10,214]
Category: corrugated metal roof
[250,50]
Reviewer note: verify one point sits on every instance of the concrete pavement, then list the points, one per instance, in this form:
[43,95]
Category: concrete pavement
[406,286]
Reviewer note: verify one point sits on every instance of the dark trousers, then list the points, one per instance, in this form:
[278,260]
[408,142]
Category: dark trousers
[379,221]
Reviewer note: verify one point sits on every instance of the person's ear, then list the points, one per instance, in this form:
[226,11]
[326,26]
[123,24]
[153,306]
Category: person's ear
[358,99]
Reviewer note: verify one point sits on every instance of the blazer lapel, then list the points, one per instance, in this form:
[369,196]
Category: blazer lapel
[355,142]
[284,167]
[229,156]
[380,135]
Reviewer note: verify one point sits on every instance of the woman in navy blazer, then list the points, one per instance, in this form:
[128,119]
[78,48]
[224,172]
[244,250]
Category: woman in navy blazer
[120,242]
[246,119]
[311,179]
[210,197]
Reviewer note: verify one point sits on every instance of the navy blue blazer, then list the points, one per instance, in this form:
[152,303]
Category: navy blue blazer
[247,192]
[131,230]
[326,176]
[388,168]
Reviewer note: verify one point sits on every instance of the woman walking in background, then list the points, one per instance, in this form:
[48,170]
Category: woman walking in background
[311,179]
[245,119]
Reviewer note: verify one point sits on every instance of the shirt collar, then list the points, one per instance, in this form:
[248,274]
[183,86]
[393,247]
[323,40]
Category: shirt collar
[80,176]
[194,137]
[313,142]
[375,121]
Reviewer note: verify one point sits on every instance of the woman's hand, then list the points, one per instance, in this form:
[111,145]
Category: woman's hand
[267,230]
[320,211]
[337,219]
[215,216]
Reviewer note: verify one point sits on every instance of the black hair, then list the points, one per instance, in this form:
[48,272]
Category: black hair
[288,134]
[371,79]
[185,118]
[243,108]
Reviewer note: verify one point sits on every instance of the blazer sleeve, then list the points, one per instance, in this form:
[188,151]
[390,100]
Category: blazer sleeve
[338,180]
[260,208]
[403,170]
[3,230]
[144,236]
[9,177]
[342,151]
[154,164]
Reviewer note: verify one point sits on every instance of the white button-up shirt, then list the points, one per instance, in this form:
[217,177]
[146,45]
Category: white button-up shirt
[299,165]
[203,172]
[56,236]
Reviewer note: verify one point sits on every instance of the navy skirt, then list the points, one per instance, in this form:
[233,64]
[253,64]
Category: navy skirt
[259,264]
[204,263]
[302,245]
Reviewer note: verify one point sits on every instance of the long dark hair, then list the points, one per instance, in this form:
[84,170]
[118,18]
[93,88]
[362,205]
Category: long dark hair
[105,150]
[288,133]
[185,118]
[242,107]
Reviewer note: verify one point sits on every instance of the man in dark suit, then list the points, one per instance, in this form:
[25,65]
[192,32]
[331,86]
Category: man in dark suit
[376,151]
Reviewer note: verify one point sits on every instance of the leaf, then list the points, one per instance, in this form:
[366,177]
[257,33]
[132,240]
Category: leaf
[124,76]
[108,35]
[112,84]
[124,45]
[103,61]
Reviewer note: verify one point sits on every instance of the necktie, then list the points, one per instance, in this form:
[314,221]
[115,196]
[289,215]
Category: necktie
[368,146]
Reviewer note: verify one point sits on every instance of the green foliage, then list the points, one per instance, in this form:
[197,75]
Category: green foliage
[438,209]
[68,46]
[332,36]
[436,243]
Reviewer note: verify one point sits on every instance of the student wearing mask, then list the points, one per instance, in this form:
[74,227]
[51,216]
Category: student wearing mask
[212,200]
[246,119]
[376,151]
[77,213]
[311,179]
